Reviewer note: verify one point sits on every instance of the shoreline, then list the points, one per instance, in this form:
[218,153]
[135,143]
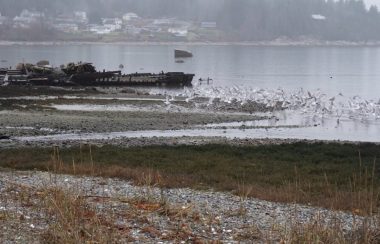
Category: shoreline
[199,141]
[72,117]
[203,43]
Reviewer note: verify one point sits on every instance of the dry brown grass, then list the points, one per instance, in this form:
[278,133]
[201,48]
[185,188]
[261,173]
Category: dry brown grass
[77,222]
[318,231]
[72,220]
[252,233]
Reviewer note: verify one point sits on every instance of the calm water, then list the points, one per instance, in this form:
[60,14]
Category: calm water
[349,70]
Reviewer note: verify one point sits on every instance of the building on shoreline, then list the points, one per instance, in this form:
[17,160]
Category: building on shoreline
[128,26]
[27,18]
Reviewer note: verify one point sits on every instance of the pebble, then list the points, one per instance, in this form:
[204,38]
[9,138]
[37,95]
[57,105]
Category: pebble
[215,209]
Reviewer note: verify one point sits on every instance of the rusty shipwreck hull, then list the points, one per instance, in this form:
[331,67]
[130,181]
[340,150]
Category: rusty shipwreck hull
[85,74]
[170,79]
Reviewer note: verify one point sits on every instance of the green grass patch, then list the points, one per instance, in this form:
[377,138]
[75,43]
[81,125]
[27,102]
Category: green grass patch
[18,91]
[308,173]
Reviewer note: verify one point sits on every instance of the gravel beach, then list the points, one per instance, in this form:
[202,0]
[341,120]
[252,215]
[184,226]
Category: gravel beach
[134,210]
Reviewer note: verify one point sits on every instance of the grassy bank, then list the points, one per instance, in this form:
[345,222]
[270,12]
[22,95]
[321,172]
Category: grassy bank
[19,91]
[337,176]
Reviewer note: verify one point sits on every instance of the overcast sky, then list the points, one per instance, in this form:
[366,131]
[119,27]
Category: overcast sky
[373,2]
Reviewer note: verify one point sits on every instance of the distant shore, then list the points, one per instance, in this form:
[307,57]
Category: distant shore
[275,43]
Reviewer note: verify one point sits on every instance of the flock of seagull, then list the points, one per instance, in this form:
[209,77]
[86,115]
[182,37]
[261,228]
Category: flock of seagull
[312,103]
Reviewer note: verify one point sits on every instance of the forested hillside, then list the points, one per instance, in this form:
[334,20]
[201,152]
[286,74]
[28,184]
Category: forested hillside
[248,20]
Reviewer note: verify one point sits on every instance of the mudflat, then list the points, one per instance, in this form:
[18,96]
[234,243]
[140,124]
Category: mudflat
[42,111]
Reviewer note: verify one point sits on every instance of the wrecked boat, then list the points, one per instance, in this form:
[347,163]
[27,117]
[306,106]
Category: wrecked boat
[161,79]
[85,74]
[3,73]
[182,54]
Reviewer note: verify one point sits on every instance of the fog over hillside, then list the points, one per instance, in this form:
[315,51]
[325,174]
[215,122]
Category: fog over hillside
[235,20]
[372,2]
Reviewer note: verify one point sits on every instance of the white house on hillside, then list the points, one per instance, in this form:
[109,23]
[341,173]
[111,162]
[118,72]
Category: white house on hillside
[179,32]
[67,27]
[112,24]
[164,21]
[27,18]
[318,17]
[130,16]
[81,17]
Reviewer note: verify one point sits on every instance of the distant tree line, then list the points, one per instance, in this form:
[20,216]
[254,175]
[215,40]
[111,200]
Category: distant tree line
[248,20]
